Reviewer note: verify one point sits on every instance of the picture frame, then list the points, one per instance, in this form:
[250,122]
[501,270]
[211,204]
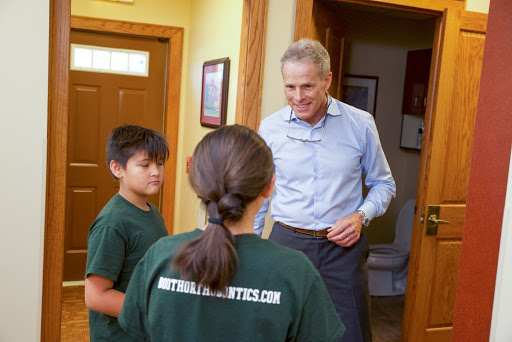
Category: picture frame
[214,94]
[361,92]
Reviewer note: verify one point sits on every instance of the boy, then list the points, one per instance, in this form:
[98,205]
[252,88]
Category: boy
[125,228]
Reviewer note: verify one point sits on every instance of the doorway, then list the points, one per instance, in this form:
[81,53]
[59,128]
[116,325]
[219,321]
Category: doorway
[114,93]
[376,45]
[450,111]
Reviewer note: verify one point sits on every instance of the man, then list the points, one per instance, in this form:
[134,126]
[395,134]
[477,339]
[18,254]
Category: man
[321,149]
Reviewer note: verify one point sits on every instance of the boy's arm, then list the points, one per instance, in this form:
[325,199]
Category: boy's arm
[101,297]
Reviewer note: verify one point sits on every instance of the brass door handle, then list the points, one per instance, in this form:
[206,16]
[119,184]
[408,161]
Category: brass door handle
[433,218]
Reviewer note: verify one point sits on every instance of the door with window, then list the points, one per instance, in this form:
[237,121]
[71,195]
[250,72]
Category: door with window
[113,80]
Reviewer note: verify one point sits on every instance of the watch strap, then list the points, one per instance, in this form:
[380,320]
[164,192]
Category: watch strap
[364,218]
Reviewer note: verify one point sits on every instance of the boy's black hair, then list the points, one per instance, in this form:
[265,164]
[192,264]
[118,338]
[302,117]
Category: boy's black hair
[126,140]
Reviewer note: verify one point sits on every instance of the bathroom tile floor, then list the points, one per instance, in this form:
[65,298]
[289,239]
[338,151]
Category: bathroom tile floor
[386,315]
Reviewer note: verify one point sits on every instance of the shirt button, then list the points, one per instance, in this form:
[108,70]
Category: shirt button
[316,152]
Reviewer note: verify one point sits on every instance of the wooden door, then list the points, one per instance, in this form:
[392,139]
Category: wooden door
[328,30]
[97,103]
[443,178]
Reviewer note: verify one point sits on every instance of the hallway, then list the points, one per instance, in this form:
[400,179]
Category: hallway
[75,316]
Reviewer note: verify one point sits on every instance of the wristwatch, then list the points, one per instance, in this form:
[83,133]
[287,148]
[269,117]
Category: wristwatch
[364,218]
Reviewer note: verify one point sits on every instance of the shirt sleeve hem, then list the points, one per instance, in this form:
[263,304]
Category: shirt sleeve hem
[102,273]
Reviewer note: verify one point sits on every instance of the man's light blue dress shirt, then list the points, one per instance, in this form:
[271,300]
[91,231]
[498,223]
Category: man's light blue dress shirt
[317,183]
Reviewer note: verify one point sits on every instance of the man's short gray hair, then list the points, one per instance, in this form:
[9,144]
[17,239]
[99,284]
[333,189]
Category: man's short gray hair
[308,50]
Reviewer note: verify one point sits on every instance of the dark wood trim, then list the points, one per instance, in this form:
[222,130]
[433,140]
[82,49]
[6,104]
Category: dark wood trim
[415,6]
[60,24]
[124,27]
[55,172]
[251,63]
[303,18]
[171,127]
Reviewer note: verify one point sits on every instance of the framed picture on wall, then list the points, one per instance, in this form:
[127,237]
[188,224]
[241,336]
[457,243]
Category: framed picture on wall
[361,92]
[214,96]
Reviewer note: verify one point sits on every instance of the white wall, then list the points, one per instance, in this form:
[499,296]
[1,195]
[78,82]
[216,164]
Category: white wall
[481,6]
[501,329]
[23,114]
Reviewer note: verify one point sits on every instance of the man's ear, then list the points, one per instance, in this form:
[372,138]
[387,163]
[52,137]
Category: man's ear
[328,80]
[116,169]
[269,188]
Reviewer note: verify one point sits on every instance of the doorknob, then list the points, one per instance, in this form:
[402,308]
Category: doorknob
[433,218]
[433,221]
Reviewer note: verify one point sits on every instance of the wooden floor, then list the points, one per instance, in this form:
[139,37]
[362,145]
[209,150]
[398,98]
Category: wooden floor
[387,313]
[75,320]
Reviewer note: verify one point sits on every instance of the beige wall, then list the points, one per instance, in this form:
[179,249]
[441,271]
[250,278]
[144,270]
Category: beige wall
[161,12]
[24,29]
[215,28]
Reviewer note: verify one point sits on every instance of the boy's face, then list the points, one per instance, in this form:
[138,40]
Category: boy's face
[140,178]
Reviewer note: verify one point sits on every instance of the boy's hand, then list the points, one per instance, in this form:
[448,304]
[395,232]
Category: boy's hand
[100,297]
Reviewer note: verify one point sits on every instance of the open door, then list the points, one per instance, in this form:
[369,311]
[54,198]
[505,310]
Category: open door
[443,178]
[328,30]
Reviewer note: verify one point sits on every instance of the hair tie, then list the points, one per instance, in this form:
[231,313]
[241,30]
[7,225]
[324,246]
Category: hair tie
[214,220]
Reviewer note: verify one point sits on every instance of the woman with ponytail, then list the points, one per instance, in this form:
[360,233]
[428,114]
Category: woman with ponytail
[223,282]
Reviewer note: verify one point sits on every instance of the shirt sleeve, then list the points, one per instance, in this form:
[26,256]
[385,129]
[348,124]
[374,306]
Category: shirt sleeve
[106,249]
[319,321]
[133,317]
[378,175]
[259,220]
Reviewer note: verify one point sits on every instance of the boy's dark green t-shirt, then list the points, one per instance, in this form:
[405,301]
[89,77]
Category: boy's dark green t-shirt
[117,240]
[275,295]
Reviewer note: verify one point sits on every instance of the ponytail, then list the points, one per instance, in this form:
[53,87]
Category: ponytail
[210,259]
[230,168]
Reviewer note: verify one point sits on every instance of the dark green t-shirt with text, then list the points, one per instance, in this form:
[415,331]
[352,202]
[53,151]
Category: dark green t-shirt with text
[275,295]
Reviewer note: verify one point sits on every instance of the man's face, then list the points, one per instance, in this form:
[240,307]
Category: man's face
[305,90]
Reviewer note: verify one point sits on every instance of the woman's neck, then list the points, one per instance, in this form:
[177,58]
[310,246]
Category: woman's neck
[246,224]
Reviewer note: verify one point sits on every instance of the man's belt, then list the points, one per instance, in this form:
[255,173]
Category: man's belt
[316,233]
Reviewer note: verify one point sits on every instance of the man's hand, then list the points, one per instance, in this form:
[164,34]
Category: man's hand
[346,231]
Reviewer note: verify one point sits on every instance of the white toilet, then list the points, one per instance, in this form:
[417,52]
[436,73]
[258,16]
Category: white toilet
[388,263]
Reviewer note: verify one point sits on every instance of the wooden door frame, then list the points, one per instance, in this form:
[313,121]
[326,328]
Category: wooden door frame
[251,63]
[60,24]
